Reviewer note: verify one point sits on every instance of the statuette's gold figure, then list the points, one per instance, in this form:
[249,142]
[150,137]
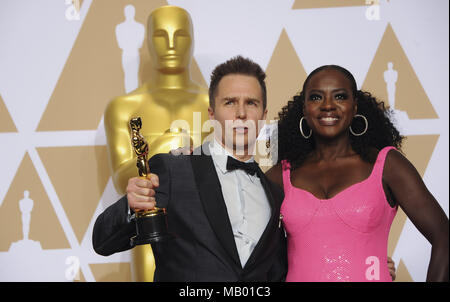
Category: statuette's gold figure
[140,146]
[169,94]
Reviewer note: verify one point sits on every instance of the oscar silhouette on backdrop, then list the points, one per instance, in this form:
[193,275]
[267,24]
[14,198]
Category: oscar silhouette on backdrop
[401,119]
[130,37]
[28,259]
[169,94]
[390,77]
[26,206]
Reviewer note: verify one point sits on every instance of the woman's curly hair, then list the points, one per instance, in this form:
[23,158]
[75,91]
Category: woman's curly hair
[381,132]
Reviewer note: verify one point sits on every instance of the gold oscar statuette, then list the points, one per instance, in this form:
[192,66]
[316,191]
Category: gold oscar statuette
[151,225]
[167,93]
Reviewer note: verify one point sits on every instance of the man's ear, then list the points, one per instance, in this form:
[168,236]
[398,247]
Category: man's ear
[211,113]
[265,114]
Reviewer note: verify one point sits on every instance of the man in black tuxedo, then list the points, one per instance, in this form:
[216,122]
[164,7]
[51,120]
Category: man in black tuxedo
[223,210]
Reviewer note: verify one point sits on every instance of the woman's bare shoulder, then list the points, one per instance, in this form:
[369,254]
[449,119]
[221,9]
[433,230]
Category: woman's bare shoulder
[275,175]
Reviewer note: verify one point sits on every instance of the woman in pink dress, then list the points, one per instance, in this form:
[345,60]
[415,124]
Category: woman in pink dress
[344,178]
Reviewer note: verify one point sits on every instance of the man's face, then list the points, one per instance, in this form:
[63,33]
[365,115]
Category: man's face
[238,106]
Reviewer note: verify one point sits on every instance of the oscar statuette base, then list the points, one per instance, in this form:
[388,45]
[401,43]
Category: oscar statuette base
[151,228]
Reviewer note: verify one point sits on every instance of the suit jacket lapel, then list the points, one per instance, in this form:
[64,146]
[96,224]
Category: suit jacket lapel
[211,196]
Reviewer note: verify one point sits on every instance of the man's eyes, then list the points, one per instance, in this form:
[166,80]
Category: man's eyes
[248,102]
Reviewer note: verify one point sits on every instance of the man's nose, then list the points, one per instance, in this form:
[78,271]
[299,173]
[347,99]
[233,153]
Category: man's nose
[241,112]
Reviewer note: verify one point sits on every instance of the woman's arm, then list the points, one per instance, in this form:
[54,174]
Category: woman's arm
[422,209]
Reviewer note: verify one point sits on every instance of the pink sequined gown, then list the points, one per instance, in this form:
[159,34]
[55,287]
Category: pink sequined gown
[343,238]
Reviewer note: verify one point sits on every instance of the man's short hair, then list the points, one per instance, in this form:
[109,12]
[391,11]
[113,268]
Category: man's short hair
[237,65]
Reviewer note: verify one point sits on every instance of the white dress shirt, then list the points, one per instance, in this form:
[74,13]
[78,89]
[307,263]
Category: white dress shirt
[246,201]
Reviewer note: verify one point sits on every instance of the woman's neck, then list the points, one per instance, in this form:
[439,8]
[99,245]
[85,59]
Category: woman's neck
[331,149]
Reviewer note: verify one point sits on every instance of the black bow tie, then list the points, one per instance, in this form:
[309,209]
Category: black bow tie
[251,168]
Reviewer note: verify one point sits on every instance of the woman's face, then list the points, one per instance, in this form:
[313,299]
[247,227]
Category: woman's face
[329,105]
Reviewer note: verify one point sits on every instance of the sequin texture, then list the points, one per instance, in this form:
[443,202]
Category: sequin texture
[330,240]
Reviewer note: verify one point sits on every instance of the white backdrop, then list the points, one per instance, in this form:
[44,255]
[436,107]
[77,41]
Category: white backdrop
[60,64]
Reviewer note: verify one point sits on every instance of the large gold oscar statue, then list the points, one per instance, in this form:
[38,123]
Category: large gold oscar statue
[170,94]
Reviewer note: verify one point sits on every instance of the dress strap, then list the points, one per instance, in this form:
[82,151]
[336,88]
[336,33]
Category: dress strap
[286,169]
[381,158]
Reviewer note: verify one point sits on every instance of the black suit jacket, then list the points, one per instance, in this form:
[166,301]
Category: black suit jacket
[204,249]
